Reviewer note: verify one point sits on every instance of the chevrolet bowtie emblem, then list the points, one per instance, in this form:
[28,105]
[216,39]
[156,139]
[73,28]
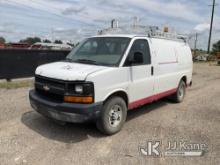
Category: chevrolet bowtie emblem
[46,88]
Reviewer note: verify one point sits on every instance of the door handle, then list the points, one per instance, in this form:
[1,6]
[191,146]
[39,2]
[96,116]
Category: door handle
[152,70]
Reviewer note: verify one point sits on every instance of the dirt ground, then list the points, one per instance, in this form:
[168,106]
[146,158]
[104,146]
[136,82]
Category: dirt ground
[28,138]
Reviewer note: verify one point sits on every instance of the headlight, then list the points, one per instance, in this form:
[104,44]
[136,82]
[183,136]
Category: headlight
[79,89]
[80,92]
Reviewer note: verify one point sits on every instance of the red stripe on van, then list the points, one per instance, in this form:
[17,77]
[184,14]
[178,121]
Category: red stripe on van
[151,99]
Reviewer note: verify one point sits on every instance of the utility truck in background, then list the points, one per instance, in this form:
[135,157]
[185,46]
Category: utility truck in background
[107,75]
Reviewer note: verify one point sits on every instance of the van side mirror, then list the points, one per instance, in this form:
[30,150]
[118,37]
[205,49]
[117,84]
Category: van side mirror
[136,58]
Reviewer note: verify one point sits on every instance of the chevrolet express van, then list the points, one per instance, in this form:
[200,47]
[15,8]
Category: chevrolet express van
[105,76]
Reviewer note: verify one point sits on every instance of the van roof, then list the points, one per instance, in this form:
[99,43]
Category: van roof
[139,35]
[121,35]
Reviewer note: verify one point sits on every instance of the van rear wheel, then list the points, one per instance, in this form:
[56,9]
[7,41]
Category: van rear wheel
[178,97]
[113,116]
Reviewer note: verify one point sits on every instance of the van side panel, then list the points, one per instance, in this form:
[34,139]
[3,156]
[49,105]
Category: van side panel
[172,62]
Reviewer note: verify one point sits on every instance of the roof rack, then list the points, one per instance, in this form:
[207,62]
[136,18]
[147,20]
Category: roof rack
[169,36]
[150,31]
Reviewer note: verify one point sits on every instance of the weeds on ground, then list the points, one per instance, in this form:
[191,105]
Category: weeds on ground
[16,84]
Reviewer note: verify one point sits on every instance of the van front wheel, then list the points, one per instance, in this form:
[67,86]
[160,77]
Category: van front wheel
[113,116]
[180,93]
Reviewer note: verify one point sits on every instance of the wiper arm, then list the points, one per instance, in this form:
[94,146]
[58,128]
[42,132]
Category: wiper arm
[86,61]
[69,60]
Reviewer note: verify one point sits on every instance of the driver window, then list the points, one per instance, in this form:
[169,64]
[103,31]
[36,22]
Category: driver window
[140,45]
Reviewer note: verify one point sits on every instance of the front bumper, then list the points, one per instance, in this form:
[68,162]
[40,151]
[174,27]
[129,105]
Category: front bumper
[67,112]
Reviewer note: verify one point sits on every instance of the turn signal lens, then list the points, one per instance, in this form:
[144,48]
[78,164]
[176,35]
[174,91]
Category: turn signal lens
[75,99]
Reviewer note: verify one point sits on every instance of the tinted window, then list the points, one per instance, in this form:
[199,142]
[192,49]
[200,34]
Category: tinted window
[141,46]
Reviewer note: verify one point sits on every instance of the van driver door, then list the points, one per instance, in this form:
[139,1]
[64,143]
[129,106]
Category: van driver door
[141,85]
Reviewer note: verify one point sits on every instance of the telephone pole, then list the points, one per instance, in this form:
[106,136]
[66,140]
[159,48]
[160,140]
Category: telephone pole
[211,25]
[195,46]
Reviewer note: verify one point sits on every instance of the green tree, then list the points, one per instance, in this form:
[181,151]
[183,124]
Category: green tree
[30,40]
[2,40]
[216,47]
[58,42]
[46,41]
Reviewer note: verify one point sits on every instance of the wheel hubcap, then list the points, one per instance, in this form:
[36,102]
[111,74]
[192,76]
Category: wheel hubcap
[115,115]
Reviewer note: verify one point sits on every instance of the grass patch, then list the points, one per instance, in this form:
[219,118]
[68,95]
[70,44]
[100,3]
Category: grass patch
[16,84]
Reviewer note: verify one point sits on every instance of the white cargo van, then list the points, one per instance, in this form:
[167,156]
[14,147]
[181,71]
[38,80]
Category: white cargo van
[105,76]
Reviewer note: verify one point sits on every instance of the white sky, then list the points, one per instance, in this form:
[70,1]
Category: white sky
[74,19]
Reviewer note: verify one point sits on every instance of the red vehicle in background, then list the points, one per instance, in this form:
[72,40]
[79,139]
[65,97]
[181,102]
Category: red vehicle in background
[50,46]
[2,46]
[18,46]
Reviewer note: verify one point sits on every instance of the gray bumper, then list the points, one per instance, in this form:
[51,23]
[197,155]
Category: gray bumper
[67,112]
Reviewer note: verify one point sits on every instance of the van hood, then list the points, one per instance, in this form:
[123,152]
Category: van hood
[68,71]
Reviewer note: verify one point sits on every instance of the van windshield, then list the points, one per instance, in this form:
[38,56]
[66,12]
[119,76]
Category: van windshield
[106,51]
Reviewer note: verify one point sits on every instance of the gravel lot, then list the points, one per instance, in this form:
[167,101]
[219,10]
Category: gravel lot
[28,138]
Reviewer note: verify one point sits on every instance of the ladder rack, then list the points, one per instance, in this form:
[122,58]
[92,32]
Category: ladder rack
[150,31]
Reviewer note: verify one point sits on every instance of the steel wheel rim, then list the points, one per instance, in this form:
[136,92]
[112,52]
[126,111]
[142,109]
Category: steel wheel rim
[181,91]
[115,115]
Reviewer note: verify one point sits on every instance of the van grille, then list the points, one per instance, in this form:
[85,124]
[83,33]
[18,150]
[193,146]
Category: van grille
[50,88]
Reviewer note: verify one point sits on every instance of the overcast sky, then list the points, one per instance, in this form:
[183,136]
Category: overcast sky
[74,19]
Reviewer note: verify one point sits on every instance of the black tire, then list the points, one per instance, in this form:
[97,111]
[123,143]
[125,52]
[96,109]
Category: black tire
[178,97]
[113,116]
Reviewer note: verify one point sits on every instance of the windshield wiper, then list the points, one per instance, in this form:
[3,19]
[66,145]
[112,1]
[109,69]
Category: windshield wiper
[68,60]
[86,61]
